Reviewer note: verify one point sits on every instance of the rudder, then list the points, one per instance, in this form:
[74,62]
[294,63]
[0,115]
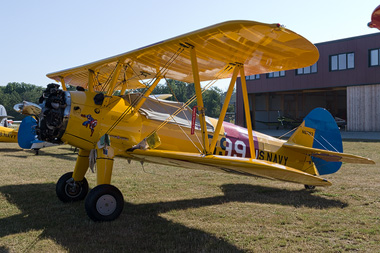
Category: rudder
[319,130]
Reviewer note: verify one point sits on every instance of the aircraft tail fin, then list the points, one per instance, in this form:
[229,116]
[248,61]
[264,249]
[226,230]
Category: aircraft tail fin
[27,133]
[318,133]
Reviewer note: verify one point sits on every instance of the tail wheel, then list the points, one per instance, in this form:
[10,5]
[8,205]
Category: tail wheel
[104,203]
[69,190]
[309,187]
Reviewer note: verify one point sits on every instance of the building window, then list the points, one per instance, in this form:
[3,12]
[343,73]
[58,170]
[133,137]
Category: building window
[276,74]
[374,57]
[252,77]
[307,70]
[342,61]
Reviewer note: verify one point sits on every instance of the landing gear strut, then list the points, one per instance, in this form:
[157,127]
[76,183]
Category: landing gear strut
[104,202]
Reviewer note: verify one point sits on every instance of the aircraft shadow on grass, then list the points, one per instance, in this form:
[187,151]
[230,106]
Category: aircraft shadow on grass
[70,155]
[140,227]
[9,150]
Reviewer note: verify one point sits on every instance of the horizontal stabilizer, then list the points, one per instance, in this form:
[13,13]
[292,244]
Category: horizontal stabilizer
[329,156]
[319,137]
[235,165]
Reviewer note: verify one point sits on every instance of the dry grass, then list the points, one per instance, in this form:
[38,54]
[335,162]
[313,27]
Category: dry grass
[177,210]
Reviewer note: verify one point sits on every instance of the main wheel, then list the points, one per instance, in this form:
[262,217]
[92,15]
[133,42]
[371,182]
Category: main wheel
[104,203]
[68,190]
[309,187]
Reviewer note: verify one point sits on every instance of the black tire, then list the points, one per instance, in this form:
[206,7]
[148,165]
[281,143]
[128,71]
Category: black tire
[69,191]
[309,187]
[104,203]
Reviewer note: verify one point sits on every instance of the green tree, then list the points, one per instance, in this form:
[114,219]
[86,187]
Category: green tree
[211,101]
[14,93]
[184,91]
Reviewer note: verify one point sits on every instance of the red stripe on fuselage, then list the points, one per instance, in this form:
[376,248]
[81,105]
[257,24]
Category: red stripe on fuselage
[236,142]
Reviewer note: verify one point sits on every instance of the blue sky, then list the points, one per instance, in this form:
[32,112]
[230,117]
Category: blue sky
[43,36]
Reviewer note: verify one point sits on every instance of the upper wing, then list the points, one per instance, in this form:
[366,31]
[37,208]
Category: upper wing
[237,165]
[329,156]
[262,48]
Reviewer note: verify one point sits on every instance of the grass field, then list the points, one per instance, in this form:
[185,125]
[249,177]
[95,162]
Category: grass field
[177,210]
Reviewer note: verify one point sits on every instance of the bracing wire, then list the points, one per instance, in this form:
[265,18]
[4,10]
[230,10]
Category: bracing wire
[179,110]
[207,86]
[329,144]
[180,127]
[317,140]
[167,83]
[292,130]
[322,144]
[162,71]
[106,83]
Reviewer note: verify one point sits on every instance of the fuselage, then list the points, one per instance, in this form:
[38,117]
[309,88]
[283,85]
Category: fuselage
[87,122]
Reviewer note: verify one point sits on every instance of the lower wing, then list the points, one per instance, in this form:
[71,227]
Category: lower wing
[236,165]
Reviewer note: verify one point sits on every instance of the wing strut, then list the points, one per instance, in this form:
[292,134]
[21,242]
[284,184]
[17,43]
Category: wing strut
[147,93]
[127,75]
[224,108]
[63,83]
[115,77]
[198,92]
[91,75]
[247,111]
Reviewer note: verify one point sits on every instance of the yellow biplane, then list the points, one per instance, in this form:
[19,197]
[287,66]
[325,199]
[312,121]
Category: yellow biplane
[7,134]
[106,117]
[24,135]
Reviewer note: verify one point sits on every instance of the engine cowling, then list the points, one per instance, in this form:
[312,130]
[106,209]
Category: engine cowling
[55,104]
